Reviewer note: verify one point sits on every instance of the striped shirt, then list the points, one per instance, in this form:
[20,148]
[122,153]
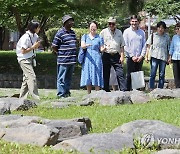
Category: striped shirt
[65,41]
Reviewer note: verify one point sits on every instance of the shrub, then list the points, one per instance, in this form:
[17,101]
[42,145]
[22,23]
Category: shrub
[50,33]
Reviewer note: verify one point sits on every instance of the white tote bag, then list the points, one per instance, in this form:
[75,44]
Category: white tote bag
[137,80]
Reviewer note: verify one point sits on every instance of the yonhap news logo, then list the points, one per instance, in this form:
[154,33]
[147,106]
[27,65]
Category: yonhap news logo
[149,139]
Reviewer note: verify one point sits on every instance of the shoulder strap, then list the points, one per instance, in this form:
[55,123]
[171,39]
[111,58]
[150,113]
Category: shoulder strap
[85,37]
[152,39]
[31,42]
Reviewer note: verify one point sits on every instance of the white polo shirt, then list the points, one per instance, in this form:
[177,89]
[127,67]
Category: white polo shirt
[25,42]
[113,41]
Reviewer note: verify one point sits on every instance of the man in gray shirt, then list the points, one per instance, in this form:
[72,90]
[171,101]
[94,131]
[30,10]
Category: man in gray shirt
[135,40]
[113,55]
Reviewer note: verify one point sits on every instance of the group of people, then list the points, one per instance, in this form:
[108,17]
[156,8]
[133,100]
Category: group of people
[104,51]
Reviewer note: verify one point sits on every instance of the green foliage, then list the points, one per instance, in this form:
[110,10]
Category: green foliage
[171,31]
[163,8]
[46,62]
[21,12]
[17,13]
[50,33]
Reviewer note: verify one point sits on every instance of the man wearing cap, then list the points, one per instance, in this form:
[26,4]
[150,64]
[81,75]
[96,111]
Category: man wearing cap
[64,45]
[113,55]
[135,40]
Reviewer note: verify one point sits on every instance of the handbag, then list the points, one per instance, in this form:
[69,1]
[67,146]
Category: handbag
[137,80]
[82,53]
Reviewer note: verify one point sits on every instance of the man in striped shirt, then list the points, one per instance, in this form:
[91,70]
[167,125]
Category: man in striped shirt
[64,45]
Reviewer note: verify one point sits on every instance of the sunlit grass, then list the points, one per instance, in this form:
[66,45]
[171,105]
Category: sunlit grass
[106,118]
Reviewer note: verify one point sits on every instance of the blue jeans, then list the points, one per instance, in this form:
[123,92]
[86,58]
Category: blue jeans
[64,78]
[154,65]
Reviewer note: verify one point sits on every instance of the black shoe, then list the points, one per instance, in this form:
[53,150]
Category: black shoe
[68,94]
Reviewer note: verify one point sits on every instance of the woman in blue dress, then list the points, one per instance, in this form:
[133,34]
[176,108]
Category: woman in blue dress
[92,71]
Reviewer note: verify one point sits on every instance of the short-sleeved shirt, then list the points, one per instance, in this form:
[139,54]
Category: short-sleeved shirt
[160,46]
[113,41]
[65,41]
[134,42]
[25,42]
[175,47]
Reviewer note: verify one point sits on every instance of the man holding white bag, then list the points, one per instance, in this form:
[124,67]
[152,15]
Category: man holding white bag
[135,40]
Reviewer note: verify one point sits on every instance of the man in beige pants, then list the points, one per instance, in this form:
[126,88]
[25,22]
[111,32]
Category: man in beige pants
[29,84]
[26,58]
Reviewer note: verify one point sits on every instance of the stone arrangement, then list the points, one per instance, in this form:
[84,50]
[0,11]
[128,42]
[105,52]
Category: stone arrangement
[72,134]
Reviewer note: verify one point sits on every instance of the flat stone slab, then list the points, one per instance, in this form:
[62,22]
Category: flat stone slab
[151,131]
[39,131]
[97,143]
[9,104]
[168,151]
[35,134]
[68,129]
[163,94]
[139,97]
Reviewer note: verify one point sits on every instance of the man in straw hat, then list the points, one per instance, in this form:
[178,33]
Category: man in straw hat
[113,55]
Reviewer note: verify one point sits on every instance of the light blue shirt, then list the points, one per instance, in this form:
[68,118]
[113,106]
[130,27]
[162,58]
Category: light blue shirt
[134,42]
[175,47]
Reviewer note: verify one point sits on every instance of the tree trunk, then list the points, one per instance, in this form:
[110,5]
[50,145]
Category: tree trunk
[2,34]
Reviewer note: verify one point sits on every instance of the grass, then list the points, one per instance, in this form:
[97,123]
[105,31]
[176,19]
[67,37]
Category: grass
[14,148]
[106,118]
[103,118]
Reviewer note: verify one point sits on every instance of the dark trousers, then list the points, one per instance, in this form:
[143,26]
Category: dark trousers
[176,72]
[132,67]
[113,60]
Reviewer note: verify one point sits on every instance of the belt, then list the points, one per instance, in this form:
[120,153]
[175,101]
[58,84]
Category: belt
[112,54]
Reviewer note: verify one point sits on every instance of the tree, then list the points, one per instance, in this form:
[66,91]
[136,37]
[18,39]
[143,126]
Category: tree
[16,14]
[163,8]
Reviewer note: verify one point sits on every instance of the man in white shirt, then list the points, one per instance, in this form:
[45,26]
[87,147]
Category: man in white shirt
[113,55]
[25,51]
[135,40]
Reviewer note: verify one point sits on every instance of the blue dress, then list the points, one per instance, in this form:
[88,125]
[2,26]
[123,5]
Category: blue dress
[92,68]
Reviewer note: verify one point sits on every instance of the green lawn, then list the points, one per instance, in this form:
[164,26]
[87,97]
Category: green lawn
[103,118]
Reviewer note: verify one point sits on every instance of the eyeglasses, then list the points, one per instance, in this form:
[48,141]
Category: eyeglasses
[177,28]
[111,23]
